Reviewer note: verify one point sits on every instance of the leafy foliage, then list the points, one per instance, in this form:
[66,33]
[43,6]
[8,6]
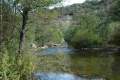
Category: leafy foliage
[12,69]
[114,11]
[12,65]
[114,37]
[86,34]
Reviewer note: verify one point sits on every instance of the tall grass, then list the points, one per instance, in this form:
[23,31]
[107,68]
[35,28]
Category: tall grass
[16,69]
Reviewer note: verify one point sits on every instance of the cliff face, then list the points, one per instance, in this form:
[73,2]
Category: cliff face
[69,15]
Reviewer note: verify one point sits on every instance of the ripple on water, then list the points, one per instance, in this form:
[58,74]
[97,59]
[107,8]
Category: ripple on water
[61,76]
[50,51]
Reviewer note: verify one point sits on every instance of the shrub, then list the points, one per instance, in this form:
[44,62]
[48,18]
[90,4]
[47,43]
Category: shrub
[85,39]
[86,34]
[12,69]
[114,37]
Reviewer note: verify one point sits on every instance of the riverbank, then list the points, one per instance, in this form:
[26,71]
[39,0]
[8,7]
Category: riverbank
[100,49]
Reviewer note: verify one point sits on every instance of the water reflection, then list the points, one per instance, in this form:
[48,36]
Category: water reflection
[90,64]
[62,76]
[116,67]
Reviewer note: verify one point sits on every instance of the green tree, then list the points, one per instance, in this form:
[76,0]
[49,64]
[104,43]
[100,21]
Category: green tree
[9,23]
[86,33]
[114,10]
[114,14]
[114,34]
[25,7]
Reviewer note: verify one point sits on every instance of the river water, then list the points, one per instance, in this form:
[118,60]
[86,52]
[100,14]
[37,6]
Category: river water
[69,64]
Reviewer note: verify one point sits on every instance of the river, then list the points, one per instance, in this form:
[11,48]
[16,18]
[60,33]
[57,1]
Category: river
[69,64]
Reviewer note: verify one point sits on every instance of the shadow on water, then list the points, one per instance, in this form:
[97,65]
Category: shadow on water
[116,67]
[82,65]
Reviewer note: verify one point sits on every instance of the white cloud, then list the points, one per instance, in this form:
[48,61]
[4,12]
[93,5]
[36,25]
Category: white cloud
[70,2]
[67,3]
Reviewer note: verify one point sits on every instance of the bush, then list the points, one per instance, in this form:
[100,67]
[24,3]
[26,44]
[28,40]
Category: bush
[12,69]
[114,37]
[85,39]
[86,34]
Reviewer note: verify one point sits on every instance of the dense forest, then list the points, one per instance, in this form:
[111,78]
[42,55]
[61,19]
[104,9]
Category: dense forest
[29,25]
[94,24]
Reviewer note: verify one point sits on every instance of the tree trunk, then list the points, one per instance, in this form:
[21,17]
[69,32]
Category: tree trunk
[22,32]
